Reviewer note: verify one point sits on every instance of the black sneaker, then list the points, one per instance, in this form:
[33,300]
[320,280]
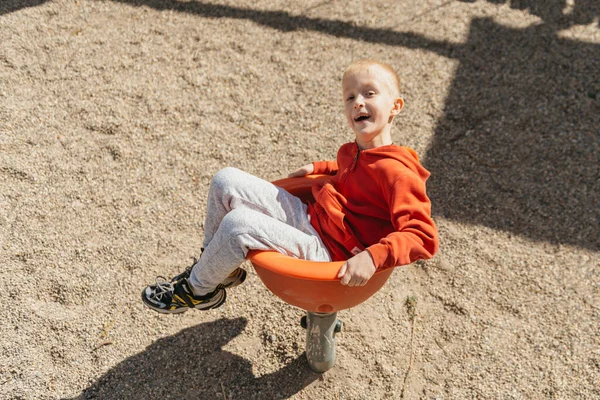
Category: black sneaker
[177,297]
[237,277]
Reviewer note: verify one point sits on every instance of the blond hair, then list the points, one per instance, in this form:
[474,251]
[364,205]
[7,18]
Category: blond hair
[393,81]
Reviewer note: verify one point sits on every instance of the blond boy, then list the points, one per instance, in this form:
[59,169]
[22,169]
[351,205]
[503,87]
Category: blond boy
[374,214]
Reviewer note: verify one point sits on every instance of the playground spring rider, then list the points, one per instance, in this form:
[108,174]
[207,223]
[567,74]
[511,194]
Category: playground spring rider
[313,286]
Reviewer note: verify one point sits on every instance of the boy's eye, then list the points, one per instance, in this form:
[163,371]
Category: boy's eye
[371,93]
[349,98]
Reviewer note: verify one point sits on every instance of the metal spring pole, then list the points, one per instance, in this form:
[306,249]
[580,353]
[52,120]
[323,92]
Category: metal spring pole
[320,339]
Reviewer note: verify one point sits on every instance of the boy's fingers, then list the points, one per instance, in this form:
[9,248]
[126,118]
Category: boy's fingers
[345,275]
[302,171]
[342,271]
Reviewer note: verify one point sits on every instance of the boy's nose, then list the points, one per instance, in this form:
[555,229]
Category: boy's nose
[359,102]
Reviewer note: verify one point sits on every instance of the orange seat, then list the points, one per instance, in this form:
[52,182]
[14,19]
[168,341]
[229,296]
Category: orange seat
[310,285]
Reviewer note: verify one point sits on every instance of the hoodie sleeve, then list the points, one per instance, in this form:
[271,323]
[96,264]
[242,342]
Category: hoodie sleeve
[325,167]
[415,235]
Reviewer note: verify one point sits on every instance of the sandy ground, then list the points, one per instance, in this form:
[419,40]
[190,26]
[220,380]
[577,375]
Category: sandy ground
[114,115]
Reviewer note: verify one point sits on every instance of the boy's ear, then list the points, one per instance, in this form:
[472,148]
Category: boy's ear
[398,106]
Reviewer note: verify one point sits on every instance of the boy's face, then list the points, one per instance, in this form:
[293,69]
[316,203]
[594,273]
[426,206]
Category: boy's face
[370,104]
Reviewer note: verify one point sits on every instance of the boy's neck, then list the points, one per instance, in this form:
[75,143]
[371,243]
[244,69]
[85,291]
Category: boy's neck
[377,141]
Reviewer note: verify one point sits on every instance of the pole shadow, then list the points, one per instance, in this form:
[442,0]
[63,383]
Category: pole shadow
[8,6]
[193,365]
[286,22]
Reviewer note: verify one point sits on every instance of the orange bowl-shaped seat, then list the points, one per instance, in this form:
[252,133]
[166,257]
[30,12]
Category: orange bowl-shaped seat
[310,285]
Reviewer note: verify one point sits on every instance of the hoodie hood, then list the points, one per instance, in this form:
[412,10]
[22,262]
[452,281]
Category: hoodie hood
[405,155]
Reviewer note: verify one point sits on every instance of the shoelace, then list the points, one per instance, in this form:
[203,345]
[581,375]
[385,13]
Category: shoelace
[163,287]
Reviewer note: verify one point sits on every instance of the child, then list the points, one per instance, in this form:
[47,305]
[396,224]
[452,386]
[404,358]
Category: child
[375,212]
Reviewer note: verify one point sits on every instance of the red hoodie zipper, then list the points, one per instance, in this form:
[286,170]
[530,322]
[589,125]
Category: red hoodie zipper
[352,166]
[355,161]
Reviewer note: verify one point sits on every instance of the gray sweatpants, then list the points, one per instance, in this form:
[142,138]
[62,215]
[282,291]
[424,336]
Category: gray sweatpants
[247,213]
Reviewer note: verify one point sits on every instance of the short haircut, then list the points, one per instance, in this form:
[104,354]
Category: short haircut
[393,81]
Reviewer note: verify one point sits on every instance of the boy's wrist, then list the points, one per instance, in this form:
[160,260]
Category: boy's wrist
[376,256]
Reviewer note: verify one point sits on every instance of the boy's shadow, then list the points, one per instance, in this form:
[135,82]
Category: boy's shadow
[193,365]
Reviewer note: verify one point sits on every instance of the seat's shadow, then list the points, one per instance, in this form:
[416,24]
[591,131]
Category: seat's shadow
[193,365]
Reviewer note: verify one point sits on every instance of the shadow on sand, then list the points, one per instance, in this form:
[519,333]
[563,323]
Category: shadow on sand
[193,365]
[8,6]
[518,146]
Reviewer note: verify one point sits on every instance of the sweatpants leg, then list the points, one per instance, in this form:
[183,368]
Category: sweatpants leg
[247,213]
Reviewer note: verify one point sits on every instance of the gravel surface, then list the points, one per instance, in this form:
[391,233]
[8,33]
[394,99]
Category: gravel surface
[114,115]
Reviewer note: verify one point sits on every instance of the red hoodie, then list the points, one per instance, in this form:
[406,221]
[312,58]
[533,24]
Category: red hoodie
[375,201]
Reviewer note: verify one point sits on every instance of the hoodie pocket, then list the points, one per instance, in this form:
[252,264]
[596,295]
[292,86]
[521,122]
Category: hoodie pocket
[333,220]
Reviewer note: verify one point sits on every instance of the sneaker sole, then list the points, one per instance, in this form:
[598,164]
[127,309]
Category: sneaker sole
[240,279]
[180,310]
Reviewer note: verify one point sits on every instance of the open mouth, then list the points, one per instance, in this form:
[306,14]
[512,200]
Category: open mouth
[361,118]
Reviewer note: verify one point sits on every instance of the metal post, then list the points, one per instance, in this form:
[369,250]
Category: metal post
[320,339]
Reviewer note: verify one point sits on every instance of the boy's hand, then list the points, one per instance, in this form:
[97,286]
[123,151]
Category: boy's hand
[302,171]
[357,270]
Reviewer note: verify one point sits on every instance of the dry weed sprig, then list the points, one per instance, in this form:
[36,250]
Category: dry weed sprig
[411,309]
[103,342]
[223,391]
